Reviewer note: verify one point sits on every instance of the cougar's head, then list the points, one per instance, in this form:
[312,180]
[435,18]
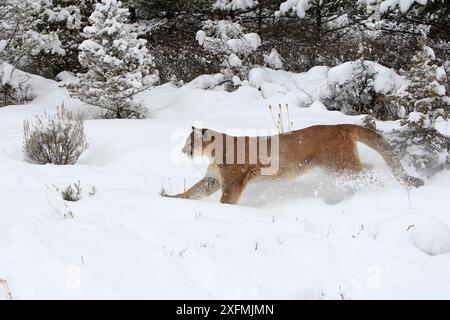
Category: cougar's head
[198,141]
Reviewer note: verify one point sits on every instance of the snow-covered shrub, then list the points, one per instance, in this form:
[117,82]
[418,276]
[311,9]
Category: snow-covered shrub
[18,94]
[118,64]
[355,95]
[365,87]
[369,122]
[298,6]
[229,5]
[72,192]
[57,139]
[386,5]
[273,60]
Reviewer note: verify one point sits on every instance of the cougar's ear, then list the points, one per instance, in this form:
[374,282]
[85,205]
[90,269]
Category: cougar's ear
[197,132]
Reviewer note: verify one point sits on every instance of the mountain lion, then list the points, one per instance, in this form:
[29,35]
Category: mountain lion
[234,161]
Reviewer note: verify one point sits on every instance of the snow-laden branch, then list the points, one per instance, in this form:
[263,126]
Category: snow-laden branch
[388,5]
[232,5]
[300,7]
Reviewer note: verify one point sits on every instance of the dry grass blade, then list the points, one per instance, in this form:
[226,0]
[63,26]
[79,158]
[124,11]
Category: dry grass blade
[8,293]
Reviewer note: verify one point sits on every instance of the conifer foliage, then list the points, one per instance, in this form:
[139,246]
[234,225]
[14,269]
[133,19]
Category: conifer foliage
[425,102]
[229,40]
[427,97]
[117,63]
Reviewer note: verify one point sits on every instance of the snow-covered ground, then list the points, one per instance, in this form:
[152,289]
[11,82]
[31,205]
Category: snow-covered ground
[308,238]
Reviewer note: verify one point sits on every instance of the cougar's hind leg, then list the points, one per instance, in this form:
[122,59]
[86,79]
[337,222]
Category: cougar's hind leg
[231,194]
[345,158]
[233,188]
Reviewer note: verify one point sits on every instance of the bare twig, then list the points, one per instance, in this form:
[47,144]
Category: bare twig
[273,118]
[8,293]
[280,117]
[289,118]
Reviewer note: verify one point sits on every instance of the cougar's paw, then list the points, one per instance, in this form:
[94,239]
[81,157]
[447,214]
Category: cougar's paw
[415,182]
[180,196]
[164,194]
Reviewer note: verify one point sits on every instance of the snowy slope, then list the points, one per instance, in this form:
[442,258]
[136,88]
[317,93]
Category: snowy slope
[308,238]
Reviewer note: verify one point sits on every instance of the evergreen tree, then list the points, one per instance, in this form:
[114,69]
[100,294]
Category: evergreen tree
[228,39]
[118,64]
[427,93]
[355,96]
[65,19]
[43,36]
[325,16]
[425,102]
[414,16]
[19,33]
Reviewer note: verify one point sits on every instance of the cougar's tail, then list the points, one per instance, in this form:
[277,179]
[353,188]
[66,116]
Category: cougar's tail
[375,141]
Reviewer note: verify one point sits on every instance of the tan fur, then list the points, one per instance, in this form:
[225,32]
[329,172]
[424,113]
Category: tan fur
[330,147]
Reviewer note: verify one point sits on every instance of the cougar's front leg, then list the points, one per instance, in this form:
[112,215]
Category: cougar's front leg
[203,188]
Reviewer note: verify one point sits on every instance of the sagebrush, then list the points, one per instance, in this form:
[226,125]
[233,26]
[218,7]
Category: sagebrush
[72,192]
[57,139]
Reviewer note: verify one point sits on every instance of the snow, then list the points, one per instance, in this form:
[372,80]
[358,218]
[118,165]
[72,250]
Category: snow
[439,89]
[417,117]
[404,5]
[430,235]
[298,6]
[234,4]
[200,36]
[234,61]
[440,74]
[301,89]
[207,81]
[341,73]
[3,45]
[385,81]
[66,76]
[48,43]
[6,72]
[430,53]
[71,14]
[274,59]
[252,40]
[227,37]
[313,237]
